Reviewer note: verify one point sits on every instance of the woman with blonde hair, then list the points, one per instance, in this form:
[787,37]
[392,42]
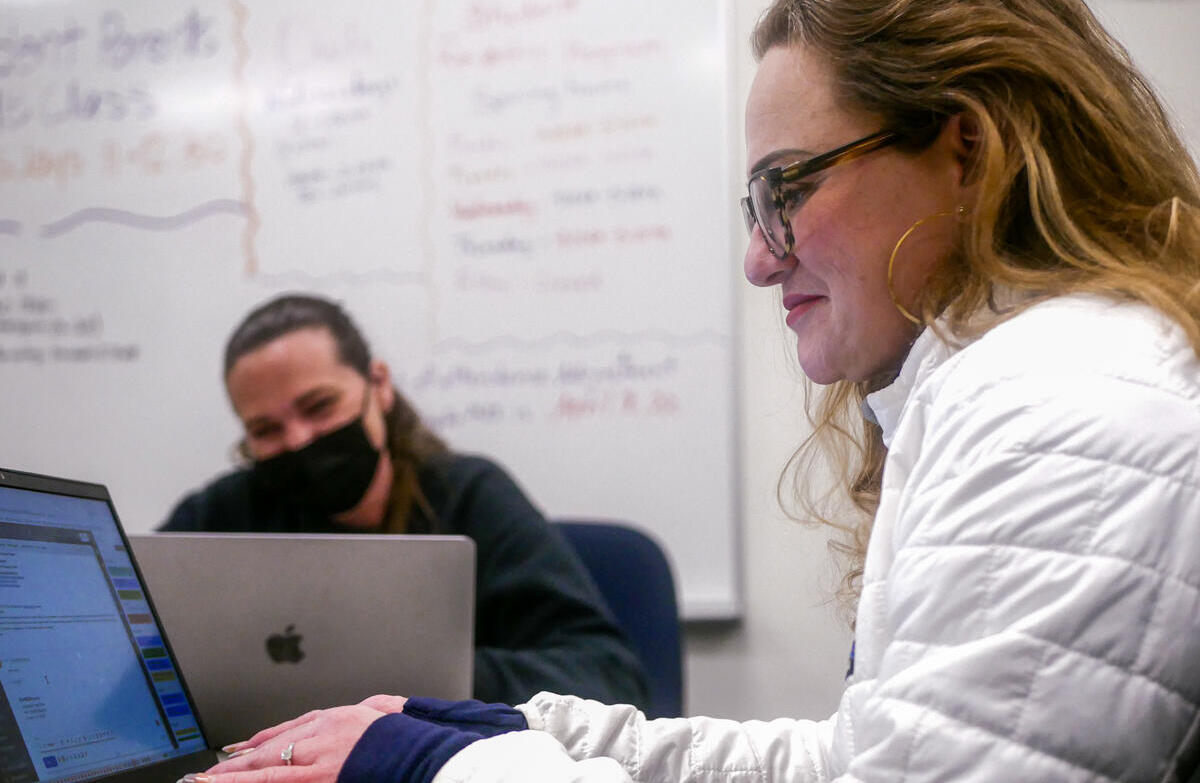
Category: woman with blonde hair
[987,242]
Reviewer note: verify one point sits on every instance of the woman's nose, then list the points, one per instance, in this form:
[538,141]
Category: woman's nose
[761,266]
[297,435]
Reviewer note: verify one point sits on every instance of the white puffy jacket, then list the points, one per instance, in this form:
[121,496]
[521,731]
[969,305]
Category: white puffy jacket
[1031,599]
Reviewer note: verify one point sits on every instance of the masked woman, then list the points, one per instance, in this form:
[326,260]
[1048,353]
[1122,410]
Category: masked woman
[333,447]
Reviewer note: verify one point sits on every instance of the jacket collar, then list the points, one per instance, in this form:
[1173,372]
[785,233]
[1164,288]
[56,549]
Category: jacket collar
[886,405]
[928,353]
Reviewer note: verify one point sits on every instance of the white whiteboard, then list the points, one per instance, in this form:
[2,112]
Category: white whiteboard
[525,203]
[1162,36]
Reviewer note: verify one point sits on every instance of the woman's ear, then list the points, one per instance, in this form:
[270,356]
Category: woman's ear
[239,453]
[381,379]
[962,134]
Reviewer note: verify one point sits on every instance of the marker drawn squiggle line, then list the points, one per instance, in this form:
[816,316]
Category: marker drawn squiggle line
[10,227]
[144,222]
[609,336]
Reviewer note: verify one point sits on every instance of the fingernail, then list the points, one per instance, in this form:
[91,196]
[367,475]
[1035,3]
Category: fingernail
[233,747]
[241,752]
[195,778]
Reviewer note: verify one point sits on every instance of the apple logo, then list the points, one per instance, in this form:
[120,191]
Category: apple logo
[285,647]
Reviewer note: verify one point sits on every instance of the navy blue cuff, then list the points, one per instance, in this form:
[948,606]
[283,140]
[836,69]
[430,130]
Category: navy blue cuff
[399,748]
[487,720]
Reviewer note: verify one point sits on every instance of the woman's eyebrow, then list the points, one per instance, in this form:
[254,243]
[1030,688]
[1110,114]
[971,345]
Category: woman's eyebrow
[312,395]
[256,421]
[772,158]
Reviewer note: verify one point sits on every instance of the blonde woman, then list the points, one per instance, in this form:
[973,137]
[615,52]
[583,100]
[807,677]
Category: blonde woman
[985,234]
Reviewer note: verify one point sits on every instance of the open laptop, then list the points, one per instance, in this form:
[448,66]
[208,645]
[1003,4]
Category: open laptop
[269,626]
[89,688]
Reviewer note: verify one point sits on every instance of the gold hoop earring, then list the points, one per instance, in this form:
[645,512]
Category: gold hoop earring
[958,212]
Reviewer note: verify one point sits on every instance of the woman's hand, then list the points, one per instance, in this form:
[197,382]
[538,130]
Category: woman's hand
[317,744]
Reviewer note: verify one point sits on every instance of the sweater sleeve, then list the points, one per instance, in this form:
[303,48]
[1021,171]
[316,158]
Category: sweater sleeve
[411,746]
[487,720]
[399,748]
[541,624]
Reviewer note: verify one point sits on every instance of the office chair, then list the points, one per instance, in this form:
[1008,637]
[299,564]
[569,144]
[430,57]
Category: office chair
[635,579]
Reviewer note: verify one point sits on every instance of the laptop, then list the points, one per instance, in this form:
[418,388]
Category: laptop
[89,687]
[269,626]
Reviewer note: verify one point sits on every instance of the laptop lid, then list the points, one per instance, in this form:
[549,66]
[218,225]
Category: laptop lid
[269,626]
[89,688]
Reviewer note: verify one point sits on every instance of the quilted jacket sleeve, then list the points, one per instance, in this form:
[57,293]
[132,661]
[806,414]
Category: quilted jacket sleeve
[1033,614]
[585,741]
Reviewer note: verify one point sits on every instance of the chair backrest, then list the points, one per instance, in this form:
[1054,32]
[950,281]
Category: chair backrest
[635,579]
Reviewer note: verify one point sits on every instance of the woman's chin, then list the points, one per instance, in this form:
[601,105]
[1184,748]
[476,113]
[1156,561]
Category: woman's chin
[816,370]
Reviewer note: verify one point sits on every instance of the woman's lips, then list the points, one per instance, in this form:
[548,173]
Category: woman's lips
[799,304]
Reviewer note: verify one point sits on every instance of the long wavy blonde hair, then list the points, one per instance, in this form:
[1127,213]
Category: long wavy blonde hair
[1083,184]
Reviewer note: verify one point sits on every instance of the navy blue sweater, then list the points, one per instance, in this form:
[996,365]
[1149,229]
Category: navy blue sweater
[411,746]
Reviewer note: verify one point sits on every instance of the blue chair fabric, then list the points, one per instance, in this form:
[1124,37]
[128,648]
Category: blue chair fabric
[635,578]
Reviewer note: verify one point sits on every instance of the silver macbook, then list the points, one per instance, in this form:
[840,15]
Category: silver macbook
[89,688]
[269,626]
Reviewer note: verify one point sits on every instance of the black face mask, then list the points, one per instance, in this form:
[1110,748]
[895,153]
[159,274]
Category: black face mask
[331,473]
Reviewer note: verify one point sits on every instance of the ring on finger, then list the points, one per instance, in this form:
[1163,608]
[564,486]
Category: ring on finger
[286,754]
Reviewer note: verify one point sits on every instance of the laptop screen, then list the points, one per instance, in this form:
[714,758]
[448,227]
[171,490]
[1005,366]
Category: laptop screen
[87,686]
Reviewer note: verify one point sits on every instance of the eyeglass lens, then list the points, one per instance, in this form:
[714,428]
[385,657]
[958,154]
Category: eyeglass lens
[770,217]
